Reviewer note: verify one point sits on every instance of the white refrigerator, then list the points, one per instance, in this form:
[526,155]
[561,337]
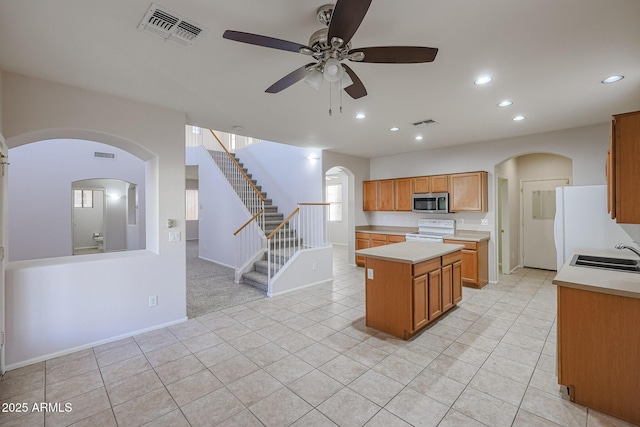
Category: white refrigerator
[582,221]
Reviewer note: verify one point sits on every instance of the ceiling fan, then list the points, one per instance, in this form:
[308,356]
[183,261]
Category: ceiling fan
[332,45]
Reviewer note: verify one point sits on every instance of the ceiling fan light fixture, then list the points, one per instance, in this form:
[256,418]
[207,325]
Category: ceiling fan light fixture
[360,116]
[333,70]
[345,81]
[314,79]
[394,129]
[519,118]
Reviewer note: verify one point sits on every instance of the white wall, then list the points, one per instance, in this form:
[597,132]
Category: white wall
[585,146]
[221,212]
[57,305]
[509,171]
[49,167]
[285,173]
[192,226]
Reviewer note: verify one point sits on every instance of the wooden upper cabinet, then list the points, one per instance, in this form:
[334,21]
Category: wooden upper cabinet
[468,192]
[385,195]
[439,183]
[623,172]
[431,184]
[421,184]
[370,195]
[403,193]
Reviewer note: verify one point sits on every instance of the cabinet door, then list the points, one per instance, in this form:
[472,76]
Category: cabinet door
[362,242]
[468,192]
[421,185]
[611,176]
[457,282]
[435,289]
[385,195]
[626,174]
[470,266]
[378,240]
[370,195]
[439,183]
[403,194]
[447,287]
[420,300]
[393,238]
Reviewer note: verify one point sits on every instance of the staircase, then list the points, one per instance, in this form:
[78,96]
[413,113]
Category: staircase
[258,276]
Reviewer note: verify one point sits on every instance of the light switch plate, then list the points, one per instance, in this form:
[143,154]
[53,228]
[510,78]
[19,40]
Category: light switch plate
[370,273]
[484,221]
[174,236]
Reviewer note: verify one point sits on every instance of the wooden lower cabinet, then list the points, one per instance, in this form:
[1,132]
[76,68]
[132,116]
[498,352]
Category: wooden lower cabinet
[599,349]
[402,298]
[371,240]
[475,262]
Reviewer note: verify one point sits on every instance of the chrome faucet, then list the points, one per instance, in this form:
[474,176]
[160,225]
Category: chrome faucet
[631,248]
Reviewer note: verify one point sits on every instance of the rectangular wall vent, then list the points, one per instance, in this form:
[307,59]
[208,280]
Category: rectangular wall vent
[169,26]
[101,155]
[423,123]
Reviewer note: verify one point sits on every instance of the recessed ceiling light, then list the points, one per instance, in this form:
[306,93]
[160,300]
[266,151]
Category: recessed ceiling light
[419,138]
[519,118]
[505,103]
[360,116]
[394,129]
[483,80]
[612,79]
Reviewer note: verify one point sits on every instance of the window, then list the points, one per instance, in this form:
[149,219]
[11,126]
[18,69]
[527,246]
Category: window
[192,205]
[334,198]
[83,198]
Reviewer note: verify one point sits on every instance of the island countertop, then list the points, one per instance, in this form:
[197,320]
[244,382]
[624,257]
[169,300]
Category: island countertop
[598,280]
[410,252]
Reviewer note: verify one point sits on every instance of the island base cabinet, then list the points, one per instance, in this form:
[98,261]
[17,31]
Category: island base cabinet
[599,350]
[403,298]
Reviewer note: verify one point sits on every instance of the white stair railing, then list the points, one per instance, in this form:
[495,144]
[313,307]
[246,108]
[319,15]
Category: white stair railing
[306,228]
[250,238]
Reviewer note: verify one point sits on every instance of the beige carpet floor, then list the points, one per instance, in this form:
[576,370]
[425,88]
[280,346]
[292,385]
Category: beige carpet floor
[210,286]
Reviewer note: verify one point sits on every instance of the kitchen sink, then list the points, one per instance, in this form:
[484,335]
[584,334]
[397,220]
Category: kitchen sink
[607,263]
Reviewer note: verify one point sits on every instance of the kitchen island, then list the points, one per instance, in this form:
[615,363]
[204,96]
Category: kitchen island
[599,336]
[410,284]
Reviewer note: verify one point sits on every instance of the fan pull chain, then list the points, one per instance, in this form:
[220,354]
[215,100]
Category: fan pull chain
[340,89]
[330,101]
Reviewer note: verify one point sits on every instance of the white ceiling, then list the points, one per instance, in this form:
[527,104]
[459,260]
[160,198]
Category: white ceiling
[548,56]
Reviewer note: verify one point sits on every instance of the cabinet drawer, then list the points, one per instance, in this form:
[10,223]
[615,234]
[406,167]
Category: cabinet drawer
[426,267]
[451,258]
[467,245]
[362,236]
[393,238]
[382,237]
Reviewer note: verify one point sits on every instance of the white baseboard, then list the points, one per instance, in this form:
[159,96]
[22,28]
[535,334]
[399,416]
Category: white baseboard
[90,345]
[216,262]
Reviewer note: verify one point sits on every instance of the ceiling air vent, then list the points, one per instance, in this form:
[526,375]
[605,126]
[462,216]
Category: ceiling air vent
[101,155]
[169,26]
[423,123]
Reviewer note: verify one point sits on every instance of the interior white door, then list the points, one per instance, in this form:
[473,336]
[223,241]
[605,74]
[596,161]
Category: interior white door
[503,226]
[538,213]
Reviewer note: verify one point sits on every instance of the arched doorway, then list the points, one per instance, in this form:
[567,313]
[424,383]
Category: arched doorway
[340,185]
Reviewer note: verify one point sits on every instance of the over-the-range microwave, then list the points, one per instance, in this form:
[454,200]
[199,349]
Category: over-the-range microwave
[431,203]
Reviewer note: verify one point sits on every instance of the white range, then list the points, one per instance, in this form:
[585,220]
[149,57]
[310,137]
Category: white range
[432,230]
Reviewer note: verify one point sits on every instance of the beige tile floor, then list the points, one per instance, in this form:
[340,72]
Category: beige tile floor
[307,359]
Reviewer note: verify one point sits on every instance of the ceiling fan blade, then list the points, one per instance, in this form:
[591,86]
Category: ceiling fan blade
[289,79]
[265,41]
[397,54]
[357,89]
[346,18]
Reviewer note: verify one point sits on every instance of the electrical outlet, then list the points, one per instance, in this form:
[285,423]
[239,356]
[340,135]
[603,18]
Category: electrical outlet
[314,267]
[370,273]
[153,300]
[461,221]
[484,221]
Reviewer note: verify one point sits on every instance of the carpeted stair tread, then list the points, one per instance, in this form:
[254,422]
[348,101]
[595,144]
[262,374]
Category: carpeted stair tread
[256,279]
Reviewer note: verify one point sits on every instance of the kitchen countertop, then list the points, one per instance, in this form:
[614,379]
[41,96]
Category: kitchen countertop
[382,229]
[468,235]
[598,280]
[410,252]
